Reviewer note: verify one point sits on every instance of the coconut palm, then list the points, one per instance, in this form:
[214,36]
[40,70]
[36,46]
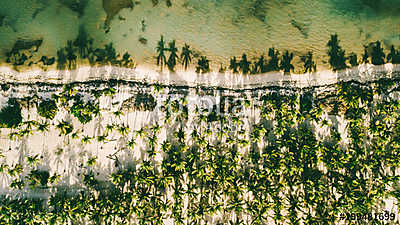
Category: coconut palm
[233,65]
[123,130]
[43,127]
[309,64]
[394,56]
[365,55]
[64,127]
[131,143]
[336,54]
[61,59]
[186,56]
[286,64]
[47,61]
[260,66]
[377,55]
[273,62]
[111,54]
[203,65]
[82,42]
[86,139]
[71,57]
[173,56]
[244,65]
[353,59]
[127,61]
[161,59]
[118,114]
[222,69]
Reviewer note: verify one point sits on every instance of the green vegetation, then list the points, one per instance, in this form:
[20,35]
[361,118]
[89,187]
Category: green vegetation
[365,55]
[336,54]
[286,64]
[259,66]
[244,65]
[377,55]
[61,59]
[278,165]
[173,56]
[70,55]
[10,115]
[161,58]
[273,62]
[393,56]
[47,109]
[186,56]
[65,128]
[84,111]
[203,65]
[309,64]
[83,43]
[38,178]
[233,65]
[353,59]
[82,46]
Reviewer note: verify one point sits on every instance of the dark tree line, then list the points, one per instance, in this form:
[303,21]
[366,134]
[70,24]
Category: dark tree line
[373,53]
[82,48]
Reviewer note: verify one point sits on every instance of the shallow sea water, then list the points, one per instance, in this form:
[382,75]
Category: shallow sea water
[216,28]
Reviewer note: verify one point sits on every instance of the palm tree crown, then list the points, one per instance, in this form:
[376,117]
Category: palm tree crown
[286,64]
[186,56]
[309,64]
[161,59]
[336,54]
[244,64]
[173,56]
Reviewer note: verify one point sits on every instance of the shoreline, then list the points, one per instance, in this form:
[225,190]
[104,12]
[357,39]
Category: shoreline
[227,80]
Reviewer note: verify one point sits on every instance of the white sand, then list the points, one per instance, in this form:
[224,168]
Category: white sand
[362,73]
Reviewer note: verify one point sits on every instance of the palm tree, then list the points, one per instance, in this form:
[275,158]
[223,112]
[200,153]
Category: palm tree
[123,130]
[186,56]
[203,65]
[309,64]
[47,61]
[273,63]
[233,65]
[71,57]
[365,55]
[260,65]
[127,61]
[111,54]
[161,59]
[86,139]
[82,42]
[222,69]
[377,55]
[286,64]
[61,59]
[43,127]
[65,127]
[353,59]
[394,56]
[244,65]
[131,143]
[254,68]
[337,58]
[173,56]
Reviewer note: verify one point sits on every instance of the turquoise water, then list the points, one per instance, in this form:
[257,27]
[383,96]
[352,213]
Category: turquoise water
[216,28]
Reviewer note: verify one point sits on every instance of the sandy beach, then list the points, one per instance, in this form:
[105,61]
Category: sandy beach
[88,136]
